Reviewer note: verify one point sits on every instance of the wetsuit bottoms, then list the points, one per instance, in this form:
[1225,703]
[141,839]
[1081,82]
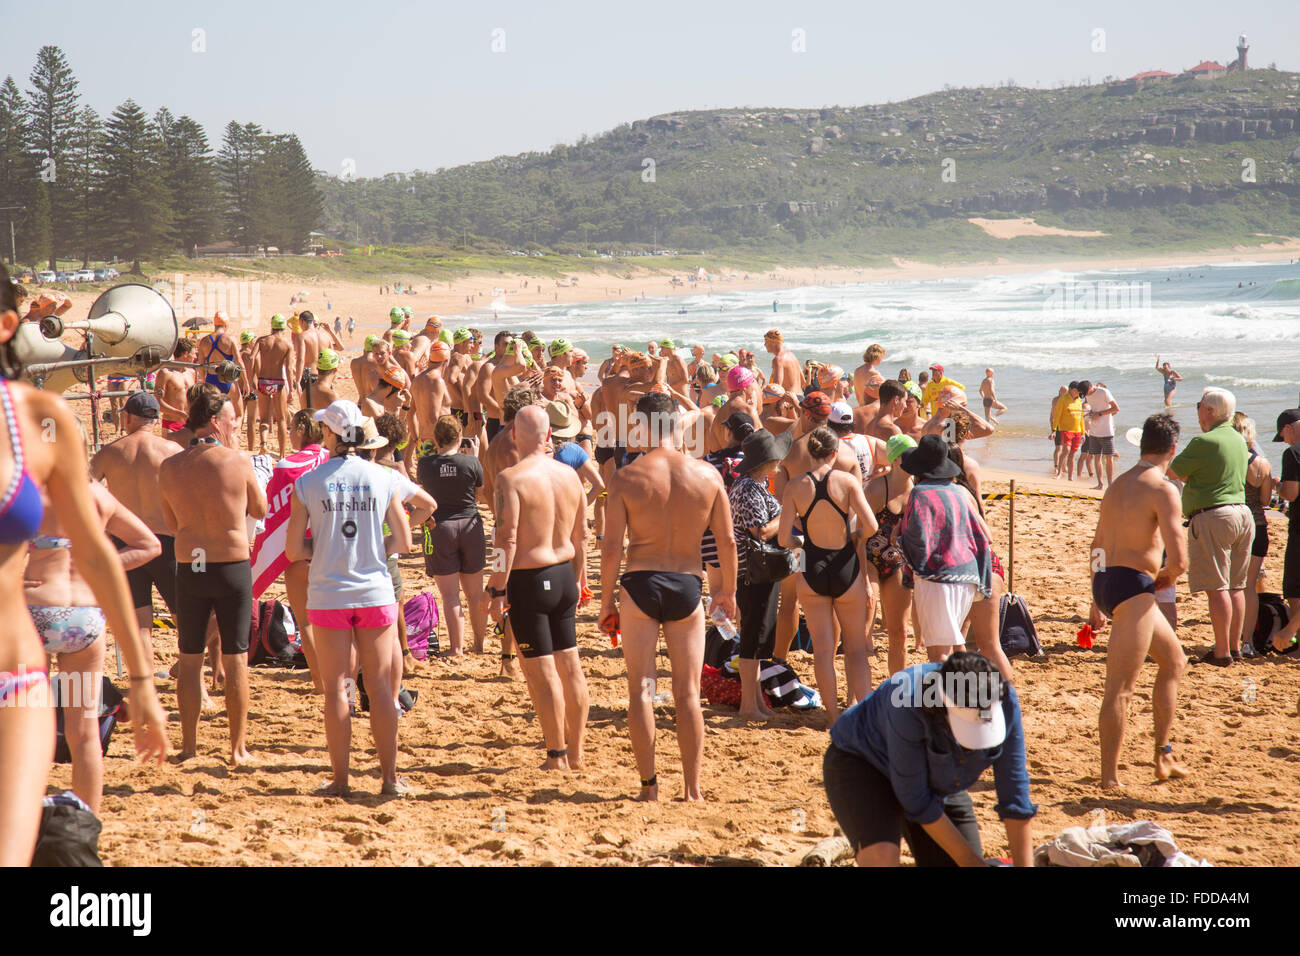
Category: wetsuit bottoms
[222,586]
[543,605]
[159,573]
[493,426]
[1115,585]
[663,595]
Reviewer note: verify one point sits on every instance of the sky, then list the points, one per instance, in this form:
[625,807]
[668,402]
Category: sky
[379,87]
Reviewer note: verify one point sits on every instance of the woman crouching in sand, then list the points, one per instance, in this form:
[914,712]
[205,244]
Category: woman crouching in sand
[345,503]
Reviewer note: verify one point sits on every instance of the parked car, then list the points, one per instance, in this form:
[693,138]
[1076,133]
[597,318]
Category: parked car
[45,275]
[101,275]
[66,277]
[85,275]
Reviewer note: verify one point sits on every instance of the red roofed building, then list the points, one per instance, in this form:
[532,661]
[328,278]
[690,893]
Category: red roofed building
[1208,69]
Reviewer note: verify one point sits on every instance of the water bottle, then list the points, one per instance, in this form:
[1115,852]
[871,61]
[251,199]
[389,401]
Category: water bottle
[724,625]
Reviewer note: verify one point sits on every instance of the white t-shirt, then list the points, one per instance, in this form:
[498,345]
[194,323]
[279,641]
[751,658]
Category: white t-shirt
[1103,426]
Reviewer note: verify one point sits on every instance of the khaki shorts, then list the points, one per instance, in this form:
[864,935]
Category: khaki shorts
[1218,549]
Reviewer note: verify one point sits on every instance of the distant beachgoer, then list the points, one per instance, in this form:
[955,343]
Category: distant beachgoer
[1172,379]
[1099,416]
[1140,514]
[867,377]
[785,366]
[989,394]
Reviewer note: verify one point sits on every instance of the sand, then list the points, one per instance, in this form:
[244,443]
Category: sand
[1015,228]
[472,746]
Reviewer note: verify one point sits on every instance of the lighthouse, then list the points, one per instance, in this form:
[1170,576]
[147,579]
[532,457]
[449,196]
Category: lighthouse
[1242,49]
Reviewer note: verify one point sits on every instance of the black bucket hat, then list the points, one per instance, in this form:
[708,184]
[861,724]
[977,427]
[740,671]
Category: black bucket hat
[761,447]
[929,460]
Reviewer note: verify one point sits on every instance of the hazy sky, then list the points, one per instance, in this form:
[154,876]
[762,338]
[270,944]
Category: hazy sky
[399,86]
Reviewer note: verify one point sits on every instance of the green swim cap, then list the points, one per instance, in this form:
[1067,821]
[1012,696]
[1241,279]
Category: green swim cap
[897,445]
[371,339]
[462,334]
[245,337]
[719,401]
[668,344]
[327,360]
[401,336]
[912,389]
[559,347]
[278,321]
[396,315]
[408,312]
[730,360]
[445,336]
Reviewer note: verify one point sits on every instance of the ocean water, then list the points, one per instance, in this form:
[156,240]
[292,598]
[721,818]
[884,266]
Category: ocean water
[1232,326]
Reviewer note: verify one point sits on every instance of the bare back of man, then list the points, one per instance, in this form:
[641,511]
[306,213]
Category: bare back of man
[313,338]
[430,399]
[543,530]
[324,390]
[1140,514]
[665,501]
[170,386]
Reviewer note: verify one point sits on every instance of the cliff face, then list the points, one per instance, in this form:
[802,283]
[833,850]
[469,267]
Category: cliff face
[711,179]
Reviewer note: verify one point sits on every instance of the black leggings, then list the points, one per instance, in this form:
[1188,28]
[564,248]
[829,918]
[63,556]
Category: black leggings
[757,604]
[863,801]
[225,587]
[159,573]
[543,606]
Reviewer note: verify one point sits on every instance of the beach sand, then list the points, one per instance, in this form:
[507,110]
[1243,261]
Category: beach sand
[472,746]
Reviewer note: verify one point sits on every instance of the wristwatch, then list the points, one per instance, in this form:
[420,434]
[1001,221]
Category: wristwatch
[496,592]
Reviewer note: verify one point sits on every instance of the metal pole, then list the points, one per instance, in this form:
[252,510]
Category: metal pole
[1011,541]
[94,398]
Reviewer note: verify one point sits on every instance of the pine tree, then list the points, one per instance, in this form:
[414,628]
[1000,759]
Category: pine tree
[17,174]
[136,205]
[287,204]
[190,174]
[51,116]
[38,235]
[81,175]
[241,148]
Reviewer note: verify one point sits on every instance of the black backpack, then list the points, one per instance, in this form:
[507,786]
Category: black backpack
[274,640]
[112,708]
[1016,630]
[69,834]
[1273,616]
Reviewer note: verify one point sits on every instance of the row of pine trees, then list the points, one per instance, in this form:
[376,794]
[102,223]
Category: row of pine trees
[136,187]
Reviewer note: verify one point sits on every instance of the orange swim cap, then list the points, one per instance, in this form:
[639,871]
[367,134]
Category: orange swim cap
[395,375]
[439,352]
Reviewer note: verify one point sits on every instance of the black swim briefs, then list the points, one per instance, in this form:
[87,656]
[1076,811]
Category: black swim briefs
[663,595]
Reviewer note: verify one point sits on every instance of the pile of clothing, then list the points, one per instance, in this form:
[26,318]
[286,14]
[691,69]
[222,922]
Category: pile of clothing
[1141,843]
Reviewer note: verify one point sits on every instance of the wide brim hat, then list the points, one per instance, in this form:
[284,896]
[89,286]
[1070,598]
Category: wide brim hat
[929,459]
[762,447]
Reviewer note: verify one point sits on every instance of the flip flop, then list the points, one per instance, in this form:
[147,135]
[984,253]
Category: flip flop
[1209,658]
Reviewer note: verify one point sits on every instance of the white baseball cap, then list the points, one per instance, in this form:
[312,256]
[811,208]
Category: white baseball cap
[841,414]
[343,418]
[976,728]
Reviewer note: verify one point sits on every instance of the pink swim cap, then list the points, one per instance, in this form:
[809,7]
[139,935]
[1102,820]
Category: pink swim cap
[739,378]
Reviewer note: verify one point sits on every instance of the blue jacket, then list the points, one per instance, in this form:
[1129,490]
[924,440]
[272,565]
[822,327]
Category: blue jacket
[890,731]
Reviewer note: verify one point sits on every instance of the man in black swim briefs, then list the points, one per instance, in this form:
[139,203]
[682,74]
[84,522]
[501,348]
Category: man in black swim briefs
[1140,511]
[542,528]
[207,490]
[664,500]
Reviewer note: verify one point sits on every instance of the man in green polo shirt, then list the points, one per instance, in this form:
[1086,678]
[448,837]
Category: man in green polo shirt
[1220,528]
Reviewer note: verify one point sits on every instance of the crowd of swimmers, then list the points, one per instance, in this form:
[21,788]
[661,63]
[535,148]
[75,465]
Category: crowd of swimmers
[689,476]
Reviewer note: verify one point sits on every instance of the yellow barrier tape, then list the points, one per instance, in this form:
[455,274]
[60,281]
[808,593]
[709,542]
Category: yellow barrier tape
[1002,496]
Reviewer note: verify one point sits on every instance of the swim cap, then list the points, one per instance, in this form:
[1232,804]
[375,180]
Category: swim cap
[817,405]
[829,375]
[559,347]
[445,336]
[638,360]
[219,320]
[394,375]
[433,322]
[898,444]
[668,344]
[730,360]
[245,337]
[462,334]
[773,393]
[774,334]
[580,356]
[401,336]
[738,378]
[719,401]
[407,311]
[372,341]
[327,360]
[554,371]
[912,389]
[396,315]
[278,321]
[438,352]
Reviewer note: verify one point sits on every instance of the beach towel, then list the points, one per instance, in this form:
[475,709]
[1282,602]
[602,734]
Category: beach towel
[421,614]
[269,560]
[1141,844]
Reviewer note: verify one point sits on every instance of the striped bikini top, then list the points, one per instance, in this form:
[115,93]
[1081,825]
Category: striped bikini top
[21,509]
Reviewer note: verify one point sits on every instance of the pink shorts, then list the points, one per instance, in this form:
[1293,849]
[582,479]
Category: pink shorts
[346,618]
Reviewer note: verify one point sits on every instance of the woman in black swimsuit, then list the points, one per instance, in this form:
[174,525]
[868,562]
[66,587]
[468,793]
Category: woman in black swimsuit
[832,585]
[886,496]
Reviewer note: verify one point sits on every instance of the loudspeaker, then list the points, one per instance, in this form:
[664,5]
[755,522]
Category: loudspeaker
[130,322]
